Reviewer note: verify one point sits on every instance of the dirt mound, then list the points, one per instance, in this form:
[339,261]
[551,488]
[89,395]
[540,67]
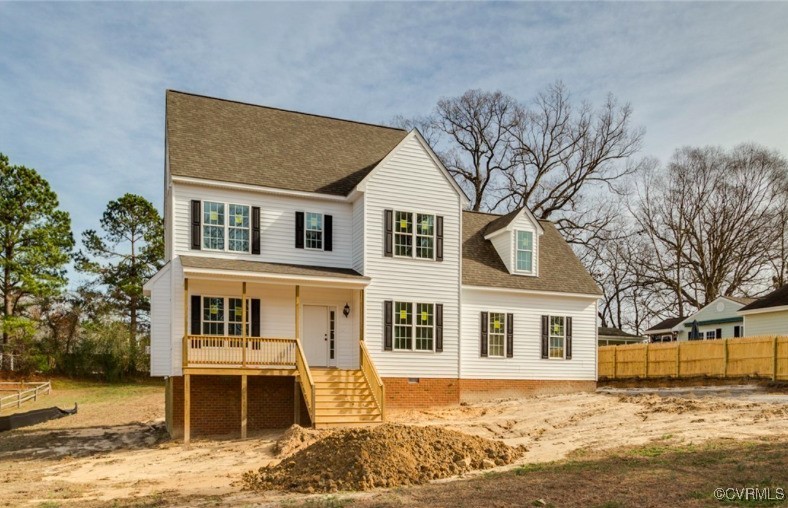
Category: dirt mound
[296,438]
[386,456]
[660,404]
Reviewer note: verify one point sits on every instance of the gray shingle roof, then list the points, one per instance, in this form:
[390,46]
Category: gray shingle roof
[667,323]
[272,268]
[559,268]
[235,142]
[607,331]
[777,298]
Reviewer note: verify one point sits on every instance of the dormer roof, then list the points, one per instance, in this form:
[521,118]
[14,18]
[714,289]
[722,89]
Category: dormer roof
[504,221]
[559,268]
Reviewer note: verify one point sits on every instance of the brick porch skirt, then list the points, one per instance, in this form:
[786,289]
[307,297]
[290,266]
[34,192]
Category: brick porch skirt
[426,392]
[216,404]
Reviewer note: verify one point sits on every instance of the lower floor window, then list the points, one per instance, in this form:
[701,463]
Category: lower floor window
[220,314]
[710,335]
[212,316]
[408,326]
[557,336]
[496,334]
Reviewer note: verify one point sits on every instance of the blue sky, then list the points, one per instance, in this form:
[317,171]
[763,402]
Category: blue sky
[82,85]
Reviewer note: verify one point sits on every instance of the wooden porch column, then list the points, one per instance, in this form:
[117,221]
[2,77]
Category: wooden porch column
[298,312]
[243,404]
[243,337]
[187,409]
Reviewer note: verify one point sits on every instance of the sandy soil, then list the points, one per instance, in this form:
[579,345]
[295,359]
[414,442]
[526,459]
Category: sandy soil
[105,454]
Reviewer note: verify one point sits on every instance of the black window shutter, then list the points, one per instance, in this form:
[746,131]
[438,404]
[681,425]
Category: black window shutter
[438,327]
[255,230]
[568,345]
[718,333]
[255,317]
[389,228]
[388,310]
[328,232]
[439,238]
[195,315]
[545,332]
[484,320]
[196,223]
[509,335]
[299,230]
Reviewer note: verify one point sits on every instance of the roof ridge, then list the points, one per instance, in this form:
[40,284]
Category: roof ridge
[326,117]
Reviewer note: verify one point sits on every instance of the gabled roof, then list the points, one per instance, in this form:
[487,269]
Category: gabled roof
[777,298]
[607,331]
[503,221]
[740,299]
[666,324]
[559,269]
[217,139]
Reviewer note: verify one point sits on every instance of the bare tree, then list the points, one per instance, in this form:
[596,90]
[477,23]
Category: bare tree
[710,222]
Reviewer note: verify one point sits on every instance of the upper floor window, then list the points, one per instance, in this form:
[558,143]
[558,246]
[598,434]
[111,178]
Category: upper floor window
[225,227]
[525,251]
[414,229]
[313,231]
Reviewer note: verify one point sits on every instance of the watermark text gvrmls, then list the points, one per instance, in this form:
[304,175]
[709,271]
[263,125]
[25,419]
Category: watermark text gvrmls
[749,494]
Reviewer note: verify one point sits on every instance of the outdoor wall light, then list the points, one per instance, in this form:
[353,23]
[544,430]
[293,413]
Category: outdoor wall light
[346,310]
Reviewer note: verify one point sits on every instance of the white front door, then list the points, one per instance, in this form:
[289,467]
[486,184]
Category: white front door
[315,339]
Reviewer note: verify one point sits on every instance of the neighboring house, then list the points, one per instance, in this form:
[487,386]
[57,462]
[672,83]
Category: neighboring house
[720,319]
[667,330]
[321,270]
[607,336]
[767,315]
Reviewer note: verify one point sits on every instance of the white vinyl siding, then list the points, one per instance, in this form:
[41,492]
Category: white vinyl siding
[526,361]
[160,336]
[277,226]
[766,323]
[358,235]
[409,180]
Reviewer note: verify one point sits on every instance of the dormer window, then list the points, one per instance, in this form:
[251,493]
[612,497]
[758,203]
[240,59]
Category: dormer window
[525,251]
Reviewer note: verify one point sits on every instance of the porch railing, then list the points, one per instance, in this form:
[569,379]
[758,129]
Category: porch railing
[240,352]
[374,381]
[305,380]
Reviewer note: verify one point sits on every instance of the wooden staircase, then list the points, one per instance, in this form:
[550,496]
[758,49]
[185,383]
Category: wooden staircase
[343,398]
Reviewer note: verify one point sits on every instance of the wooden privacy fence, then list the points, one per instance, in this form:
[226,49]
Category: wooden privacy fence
[763,356]
[22,392]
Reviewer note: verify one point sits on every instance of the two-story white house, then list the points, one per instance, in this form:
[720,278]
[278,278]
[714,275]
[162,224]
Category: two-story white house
[322,270]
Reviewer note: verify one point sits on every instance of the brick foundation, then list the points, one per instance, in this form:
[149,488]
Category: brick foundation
[404,394]
[472,390]
[216,404]
[428,392]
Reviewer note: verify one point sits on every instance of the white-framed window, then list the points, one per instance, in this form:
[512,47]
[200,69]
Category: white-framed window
[557,337]
[409,325]
[525,251]
[496,334]
[711,335]
[225,227]
[223,316]
[414,229]
[313,231]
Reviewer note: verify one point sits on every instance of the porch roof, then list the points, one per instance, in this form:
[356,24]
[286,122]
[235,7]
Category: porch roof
[198,265]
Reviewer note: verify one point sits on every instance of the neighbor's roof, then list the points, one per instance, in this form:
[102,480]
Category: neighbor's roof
[666,324]
[230,141]
[607,331]
[777,298]
[559,268]
[740,299]
[211,263]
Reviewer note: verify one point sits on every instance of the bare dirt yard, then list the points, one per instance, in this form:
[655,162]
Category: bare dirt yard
[610,448]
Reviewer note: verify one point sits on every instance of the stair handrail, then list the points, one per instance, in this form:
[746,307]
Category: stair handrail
[305,375]
[372,377]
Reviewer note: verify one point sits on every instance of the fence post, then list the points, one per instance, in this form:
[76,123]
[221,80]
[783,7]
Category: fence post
[615,362]
[774,359]
[678,358]
[645,373]
[724,358]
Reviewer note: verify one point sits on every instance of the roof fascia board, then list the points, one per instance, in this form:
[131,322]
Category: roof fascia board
[257,188]
[763,310]
[532,292]
[276,277]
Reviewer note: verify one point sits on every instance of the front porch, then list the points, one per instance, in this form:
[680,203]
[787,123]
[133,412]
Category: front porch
[257,324]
